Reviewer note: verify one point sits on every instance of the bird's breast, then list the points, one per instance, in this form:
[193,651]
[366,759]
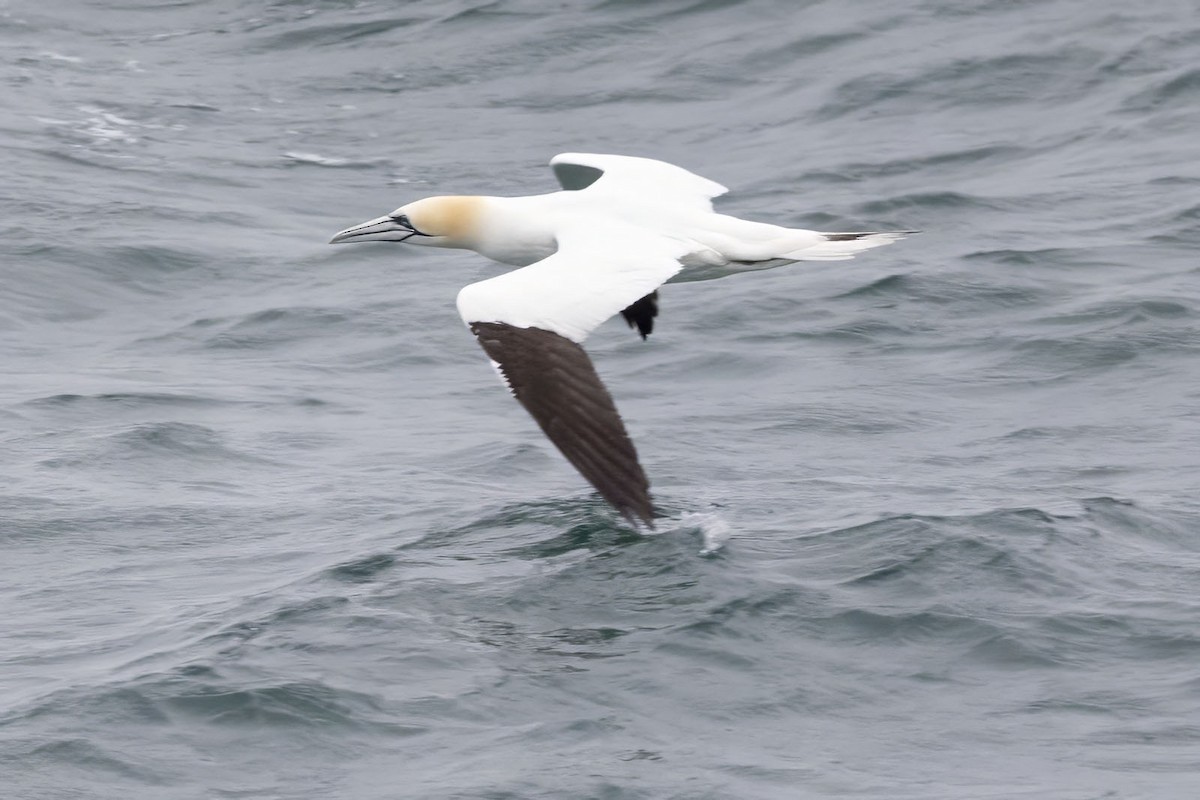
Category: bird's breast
[520,241]
[520,253]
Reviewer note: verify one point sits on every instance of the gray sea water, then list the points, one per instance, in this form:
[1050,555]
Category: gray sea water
[269,527]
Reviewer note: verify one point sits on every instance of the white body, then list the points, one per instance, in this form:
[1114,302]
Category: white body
[624,226]
[522,230]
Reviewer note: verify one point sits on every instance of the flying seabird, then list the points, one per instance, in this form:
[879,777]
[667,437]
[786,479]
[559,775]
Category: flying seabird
[620,228]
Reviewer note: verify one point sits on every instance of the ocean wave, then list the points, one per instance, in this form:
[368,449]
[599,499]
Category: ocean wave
[930,514]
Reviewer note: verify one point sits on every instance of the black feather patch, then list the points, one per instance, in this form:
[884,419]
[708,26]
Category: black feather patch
[641,314]
[554,379]
[574,177]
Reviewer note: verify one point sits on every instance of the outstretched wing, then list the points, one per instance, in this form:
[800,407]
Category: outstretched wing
[531,322]
[553,378]
[645,178]
[599,269]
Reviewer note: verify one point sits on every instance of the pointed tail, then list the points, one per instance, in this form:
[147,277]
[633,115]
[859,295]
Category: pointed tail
[841,246]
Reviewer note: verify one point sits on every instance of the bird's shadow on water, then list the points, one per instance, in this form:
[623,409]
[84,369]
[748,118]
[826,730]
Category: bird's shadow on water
[591,525]
[583,536]
[539,532]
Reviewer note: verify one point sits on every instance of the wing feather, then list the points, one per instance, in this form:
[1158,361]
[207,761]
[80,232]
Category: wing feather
[598,271]
[531,321]
[643,178]
[553,378]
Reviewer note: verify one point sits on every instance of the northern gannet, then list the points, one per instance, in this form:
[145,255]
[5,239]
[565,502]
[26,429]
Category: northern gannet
[621,227]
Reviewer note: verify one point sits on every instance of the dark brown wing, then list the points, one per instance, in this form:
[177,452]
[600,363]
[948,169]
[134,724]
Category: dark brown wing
[642,313]
[554,379]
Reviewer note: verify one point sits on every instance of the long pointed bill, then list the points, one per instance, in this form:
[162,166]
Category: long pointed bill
[382,229]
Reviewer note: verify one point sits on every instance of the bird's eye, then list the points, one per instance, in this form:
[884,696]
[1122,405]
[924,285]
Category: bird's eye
[402,219]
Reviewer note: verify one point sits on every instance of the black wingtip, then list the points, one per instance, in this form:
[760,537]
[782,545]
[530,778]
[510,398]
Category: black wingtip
[641,314]
[850,237]
[553,378]
[640,517]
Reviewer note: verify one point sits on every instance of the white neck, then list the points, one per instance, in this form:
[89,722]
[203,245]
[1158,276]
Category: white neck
[517,230]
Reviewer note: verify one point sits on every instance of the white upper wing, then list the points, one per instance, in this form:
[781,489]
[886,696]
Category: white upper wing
[598,270]
[645,178]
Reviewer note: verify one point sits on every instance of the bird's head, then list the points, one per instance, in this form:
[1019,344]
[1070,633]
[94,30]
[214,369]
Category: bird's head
[433,222]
